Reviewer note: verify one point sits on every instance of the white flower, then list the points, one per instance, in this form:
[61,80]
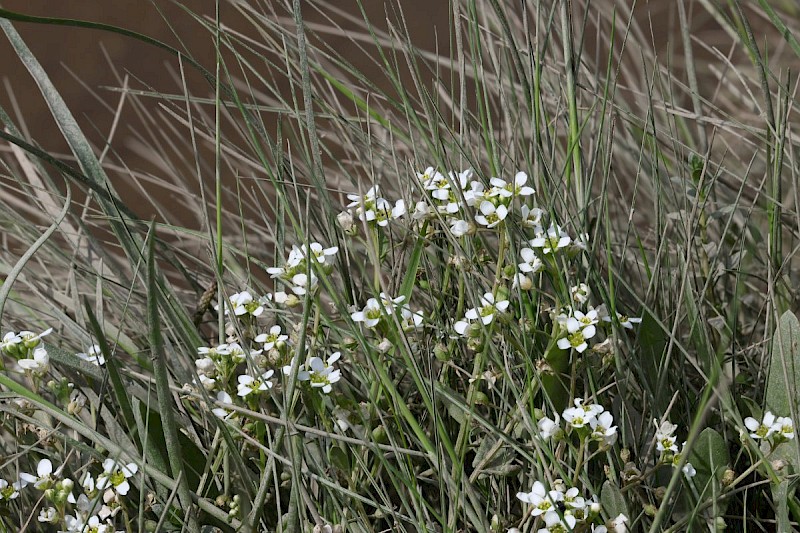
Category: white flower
[389,303]
[116,475]
[319,253]
[38,365]
[577,335]
[589,318]
[461,327]
[618,525]
[541,499]
[370,315]
[784,427]
[10,342]
[321,374]
[547,427]
[761,430]
[628,322]
[488,308]
[574,500]
[531,264]
[244,304]
[363,202]
[224,398]
[272,338]
[410,319]
[9,491]
[43,479]
[249,385]
[459,228]
[500,188]
[553,240]
[93,355]
[491,215]
[48,515]
[689,471]
[517,188]
[422,211]
[553,523]
[581,415]
[603,429]
[431,179]
[531,218]
[580,293]
[304,283]
[665,438]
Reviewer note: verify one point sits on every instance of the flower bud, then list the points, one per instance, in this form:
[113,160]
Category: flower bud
[660,492]
[384,346]
[346,221]
[650,509]
[728,477]
[441,352]
[625,455]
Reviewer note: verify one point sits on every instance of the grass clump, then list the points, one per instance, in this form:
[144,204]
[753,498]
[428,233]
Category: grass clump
[540,281]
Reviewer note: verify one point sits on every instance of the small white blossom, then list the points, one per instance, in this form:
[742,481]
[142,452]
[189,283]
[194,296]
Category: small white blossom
[321,374]
[9,491]
[531,264]
[540,498]
[531,217]
[38,365]
[44,477]
[370,315]
[578,334]
[115,476]
[224,398]
[761,430]
[491,215]
[272,338]
[488,308]
[547,427]
[551,241]
[93,355]
[252,385]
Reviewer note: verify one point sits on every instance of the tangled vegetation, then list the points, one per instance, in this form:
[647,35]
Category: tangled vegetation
[543,280]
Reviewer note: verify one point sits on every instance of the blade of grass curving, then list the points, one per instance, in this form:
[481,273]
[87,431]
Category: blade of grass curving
[781,26]
[120,391]
[5,288]
[74,136]
[165,403]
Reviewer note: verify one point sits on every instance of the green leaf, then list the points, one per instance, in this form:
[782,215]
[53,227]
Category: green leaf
[710,457]
[783,382]
[784,368]
[165,401]
[613,501]
[780,498]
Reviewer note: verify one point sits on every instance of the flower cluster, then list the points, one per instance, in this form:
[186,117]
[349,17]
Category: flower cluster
[450,196]
[772,429]
[93,511]
[25,347]
[667,447]
[600,423]
[372,209]
[483,313]
[562,509]
[298,273]
[377,311]
[319,373]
